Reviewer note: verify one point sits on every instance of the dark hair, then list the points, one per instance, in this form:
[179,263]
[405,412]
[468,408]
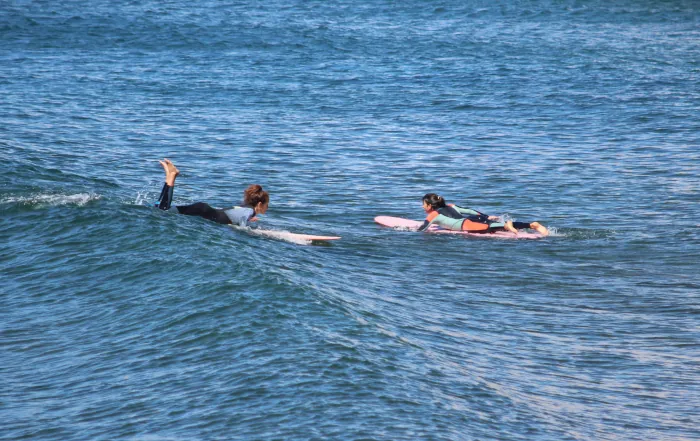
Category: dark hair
[254,194]
[434,201]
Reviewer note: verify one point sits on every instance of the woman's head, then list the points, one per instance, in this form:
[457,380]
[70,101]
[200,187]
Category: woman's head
[431,201]
[254,196]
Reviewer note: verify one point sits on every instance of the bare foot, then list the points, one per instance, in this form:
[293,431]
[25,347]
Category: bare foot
[171,171]
[540,228]
[165,166]
[171,167]
[509,226]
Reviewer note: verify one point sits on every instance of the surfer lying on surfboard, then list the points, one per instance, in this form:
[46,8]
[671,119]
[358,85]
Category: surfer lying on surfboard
[255,201]
[456,218]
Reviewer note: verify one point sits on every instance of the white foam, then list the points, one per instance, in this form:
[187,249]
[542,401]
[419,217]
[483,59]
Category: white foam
[553,232]
[405,229]
[42,200]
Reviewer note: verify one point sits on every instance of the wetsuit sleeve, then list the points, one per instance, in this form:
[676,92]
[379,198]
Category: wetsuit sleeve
[428,221]
[467,211]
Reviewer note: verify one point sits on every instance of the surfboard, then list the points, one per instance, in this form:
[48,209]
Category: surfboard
[287,236]
[294,236]
[413,225]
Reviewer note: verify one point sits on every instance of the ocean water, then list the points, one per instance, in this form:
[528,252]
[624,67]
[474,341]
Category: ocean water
[122,322]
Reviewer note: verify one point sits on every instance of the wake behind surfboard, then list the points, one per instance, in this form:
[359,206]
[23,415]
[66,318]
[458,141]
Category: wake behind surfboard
[413,225]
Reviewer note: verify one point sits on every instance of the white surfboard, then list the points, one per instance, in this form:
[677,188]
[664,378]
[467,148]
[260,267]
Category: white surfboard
[303,239]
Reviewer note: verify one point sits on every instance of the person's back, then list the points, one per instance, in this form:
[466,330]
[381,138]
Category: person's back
[240,215]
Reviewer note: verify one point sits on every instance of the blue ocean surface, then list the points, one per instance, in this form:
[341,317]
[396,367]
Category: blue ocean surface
[119,321]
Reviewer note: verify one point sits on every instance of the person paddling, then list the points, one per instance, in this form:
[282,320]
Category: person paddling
[453,217]
[255,201]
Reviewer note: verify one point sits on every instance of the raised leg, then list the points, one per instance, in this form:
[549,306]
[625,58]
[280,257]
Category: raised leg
[166,194]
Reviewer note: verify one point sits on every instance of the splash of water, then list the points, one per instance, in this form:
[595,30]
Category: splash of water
[51,200]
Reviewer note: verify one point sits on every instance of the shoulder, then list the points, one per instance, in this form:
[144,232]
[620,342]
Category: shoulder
[241,210]
[237,214]
[450,211]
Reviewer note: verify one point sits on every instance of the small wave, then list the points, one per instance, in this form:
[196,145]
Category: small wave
[51,200]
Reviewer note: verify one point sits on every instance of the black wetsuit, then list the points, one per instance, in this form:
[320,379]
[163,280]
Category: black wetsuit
[237,215]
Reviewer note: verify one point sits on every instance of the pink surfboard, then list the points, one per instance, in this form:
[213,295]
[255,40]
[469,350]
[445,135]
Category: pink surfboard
[412,225]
